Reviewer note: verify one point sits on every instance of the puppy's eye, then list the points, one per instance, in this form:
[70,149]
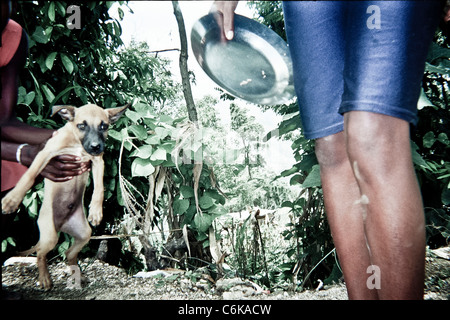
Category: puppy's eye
[103,127]
[82,126]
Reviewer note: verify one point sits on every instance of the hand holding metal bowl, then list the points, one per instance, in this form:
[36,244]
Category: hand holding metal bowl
[255,65]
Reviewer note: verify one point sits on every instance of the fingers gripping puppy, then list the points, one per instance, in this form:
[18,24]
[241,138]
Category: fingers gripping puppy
[83,135]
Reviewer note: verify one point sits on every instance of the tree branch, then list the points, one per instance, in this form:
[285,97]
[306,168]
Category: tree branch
[163,50]
[192,112]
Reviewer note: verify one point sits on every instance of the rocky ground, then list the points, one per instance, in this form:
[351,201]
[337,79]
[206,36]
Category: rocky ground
[106,282]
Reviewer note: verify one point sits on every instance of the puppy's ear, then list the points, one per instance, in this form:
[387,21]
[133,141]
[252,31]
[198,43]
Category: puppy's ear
[115,113]
[66,112]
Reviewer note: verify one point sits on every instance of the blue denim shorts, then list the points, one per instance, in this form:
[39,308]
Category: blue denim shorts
[358,56]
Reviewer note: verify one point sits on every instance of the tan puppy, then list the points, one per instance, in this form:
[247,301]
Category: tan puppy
[62,209]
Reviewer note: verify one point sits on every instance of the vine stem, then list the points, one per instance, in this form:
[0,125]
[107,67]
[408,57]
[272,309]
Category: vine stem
[309,273]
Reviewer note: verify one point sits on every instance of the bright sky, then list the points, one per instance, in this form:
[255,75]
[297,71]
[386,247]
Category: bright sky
[155,23]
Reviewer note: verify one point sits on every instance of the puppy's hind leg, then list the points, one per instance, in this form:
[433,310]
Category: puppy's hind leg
[47,241]
[79,229]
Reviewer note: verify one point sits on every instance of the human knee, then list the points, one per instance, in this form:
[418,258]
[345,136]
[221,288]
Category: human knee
[363,134]
[369,134]
[331,151]
[376,144]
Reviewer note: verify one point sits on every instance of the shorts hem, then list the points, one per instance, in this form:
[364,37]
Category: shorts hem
[336,128]
[388,110]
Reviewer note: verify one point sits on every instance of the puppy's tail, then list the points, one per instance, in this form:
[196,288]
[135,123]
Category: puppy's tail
[29,251]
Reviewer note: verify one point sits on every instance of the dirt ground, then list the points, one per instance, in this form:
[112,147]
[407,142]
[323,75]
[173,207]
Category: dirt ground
[106,282]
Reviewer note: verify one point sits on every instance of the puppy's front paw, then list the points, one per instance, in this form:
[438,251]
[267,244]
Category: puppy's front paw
[10,203]
[95,214]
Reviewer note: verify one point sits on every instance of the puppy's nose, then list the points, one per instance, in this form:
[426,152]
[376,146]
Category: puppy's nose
[95,146]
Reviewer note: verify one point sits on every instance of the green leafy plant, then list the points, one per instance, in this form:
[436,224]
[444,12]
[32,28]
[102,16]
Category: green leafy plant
[431,144]
[8,241]
[77,66]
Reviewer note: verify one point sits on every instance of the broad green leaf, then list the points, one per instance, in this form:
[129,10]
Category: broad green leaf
[138,131]
[82,94]
[51,11]
[152,139]
[187,191]
[446,197]
[203,221]
[159,154]
[115,135]
[48,94]
[21,92]
[416,157]
[180,206]
[29,198]
[424,101]
[295,179]
[308,162]
[443,69]
[313,178]
[119,195]
[289,172]
[189,215]
[287,204]
[288,125]
[65,91]
[166,119]
[63,248]
[39,99]
[50,60]
[168,146]
[143,152]
[24,97]
[60,8]
[162,132]
[429,139]
[11,241]
[68,65]
[41,62]
[30,97]
[206,202]
[443,138]
[48,31]
[143,110]
[39,35]
[217,210]
[133,115]
[141,168]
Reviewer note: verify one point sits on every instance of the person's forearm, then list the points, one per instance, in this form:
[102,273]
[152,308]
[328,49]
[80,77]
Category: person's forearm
[19,132]
[9,150]
[27,152]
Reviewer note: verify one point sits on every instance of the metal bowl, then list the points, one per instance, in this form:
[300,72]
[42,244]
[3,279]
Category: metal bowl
[255,66]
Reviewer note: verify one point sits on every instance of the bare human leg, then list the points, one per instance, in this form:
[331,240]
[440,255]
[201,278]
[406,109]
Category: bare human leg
[374,205]
[344,214]
[379,150]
